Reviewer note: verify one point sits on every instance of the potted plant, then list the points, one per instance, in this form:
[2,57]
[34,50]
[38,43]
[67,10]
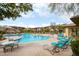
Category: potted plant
[75,47]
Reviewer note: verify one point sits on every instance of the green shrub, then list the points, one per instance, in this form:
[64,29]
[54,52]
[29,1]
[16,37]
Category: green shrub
[75,47]
[1,34]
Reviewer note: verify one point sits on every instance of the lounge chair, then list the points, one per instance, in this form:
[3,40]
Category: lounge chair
[59,46]
[8,45]
[13,37]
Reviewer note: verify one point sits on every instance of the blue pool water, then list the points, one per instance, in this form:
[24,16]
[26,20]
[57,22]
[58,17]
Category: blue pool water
[26,37]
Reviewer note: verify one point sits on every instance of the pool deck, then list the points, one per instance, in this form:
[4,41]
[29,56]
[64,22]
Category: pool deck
[35,49]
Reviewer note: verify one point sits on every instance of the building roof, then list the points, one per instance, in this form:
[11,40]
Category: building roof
[75,19]
[70,25]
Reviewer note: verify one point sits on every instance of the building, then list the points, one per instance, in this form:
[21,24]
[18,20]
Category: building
[72,29]
[75,29]
[69,29]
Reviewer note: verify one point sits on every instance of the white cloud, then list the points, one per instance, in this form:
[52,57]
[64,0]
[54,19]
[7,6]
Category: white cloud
[43,14]
[41,9]
[39,5]
[28,15]
[43,25]
[32,26]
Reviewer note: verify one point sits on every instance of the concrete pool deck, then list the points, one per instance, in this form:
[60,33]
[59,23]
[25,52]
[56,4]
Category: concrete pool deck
[35,49]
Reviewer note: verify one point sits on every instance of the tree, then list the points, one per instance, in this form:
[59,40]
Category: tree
[53,26]
[71,9]
[13,10]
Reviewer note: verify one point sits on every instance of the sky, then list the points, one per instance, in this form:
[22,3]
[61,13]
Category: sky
[39,17]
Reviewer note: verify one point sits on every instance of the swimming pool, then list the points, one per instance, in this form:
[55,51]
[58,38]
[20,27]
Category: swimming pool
[27,37]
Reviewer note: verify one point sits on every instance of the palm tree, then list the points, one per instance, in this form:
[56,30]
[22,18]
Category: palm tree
[70,9]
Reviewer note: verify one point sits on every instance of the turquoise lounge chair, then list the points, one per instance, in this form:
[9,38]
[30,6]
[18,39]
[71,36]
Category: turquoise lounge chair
[60,35]
[60,45]
[61,42]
